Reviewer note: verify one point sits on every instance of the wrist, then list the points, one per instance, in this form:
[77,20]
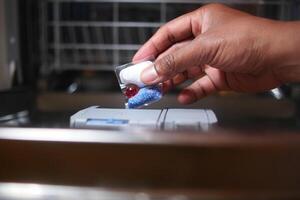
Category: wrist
[286,52]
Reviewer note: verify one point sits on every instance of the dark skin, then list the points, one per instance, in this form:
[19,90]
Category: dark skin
[222,49]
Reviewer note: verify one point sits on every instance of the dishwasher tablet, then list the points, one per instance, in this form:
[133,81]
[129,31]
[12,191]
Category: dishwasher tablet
[136,93]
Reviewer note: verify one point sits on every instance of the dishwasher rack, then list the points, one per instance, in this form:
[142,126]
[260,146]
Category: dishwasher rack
[101,34]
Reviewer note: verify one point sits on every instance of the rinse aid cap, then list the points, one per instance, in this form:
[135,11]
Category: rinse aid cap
[132,74]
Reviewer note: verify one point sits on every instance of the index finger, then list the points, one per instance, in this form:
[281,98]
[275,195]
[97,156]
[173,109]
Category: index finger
[174,31]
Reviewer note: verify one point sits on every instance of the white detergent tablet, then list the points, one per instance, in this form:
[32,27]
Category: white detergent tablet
[132,74]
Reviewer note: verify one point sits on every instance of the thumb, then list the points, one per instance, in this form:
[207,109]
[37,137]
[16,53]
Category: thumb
[198,52]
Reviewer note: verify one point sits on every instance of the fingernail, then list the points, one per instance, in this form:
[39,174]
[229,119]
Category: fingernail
[149,75]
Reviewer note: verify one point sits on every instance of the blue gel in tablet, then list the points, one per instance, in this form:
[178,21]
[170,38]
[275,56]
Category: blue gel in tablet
[145,96]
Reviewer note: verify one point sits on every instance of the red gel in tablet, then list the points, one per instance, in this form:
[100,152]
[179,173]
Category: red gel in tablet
[131,91]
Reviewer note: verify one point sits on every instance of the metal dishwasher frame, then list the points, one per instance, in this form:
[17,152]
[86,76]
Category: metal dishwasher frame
[9,44]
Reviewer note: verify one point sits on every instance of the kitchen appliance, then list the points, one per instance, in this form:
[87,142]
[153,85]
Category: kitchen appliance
[67,50]
[60,53]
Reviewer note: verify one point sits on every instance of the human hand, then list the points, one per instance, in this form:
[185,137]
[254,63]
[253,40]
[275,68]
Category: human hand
[222,49]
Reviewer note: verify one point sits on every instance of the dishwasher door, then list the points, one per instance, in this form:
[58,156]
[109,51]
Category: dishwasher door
[218,165]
